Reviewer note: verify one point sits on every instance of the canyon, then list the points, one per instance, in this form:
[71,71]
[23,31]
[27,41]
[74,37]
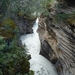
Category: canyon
[50,48]
[57,36]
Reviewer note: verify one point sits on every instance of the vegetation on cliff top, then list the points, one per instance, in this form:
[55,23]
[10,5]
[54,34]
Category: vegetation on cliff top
[67,18]
[8,28]
[27,8]
[63,16]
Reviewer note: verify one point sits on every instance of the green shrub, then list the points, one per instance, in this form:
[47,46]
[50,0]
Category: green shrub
[28,8]
[13,59]
[61,17]
[8,28]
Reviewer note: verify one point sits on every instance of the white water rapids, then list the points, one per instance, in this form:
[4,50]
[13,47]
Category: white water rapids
[39,64]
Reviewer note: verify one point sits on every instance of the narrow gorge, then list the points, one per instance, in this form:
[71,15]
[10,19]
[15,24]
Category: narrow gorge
[37,37]
[39,64]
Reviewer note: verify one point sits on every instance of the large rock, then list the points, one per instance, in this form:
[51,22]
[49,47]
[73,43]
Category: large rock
[58,41]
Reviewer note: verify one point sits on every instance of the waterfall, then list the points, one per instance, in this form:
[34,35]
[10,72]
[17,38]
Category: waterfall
[35,26]
[39,64]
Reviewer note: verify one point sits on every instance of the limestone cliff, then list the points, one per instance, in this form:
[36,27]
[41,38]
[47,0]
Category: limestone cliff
[57,36]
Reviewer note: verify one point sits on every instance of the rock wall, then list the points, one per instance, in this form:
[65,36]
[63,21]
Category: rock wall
[25,25]
[58,41]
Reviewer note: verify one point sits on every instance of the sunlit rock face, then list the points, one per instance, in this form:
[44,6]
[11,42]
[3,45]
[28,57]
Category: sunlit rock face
[58,41]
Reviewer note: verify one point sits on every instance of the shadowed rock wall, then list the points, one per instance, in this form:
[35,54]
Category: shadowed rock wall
[67,2]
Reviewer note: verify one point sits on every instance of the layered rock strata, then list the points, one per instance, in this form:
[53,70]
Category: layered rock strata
[58,41]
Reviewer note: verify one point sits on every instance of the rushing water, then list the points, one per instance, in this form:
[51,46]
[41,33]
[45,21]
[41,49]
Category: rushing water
[39,64]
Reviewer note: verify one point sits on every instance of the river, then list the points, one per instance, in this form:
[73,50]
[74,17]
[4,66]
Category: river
[39,64]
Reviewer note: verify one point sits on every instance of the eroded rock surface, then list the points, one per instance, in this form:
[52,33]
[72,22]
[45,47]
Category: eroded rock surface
[58,42]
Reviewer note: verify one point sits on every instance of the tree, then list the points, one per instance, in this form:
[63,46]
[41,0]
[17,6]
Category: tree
[8,28]
[13,59]
[3,6]
[27,8]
